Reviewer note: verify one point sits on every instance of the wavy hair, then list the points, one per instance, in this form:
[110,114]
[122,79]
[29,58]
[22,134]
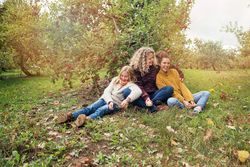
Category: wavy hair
[139,59]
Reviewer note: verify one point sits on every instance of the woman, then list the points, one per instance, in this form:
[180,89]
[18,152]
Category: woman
[182,97]
[145,69]
[111,101]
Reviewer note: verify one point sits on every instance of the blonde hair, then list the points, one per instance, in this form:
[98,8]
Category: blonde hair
[127,69]
[139,59]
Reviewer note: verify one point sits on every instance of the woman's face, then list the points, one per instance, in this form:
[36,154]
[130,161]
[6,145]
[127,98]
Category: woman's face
[124,78]
[150,59]
[165,64]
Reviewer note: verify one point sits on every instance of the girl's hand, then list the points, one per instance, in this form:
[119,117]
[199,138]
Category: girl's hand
[149,102]
[111,105]
[124,104]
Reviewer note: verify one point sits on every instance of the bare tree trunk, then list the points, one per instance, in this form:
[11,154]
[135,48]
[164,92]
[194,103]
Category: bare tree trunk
[23,68]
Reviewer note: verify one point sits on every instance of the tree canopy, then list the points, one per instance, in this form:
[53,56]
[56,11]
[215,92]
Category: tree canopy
[81,37]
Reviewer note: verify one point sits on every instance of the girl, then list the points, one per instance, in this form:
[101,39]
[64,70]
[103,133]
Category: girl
[182,97]
[145,69]
[111,101]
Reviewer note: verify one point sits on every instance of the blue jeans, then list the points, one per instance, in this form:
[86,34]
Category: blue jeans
[96,110]
[157,97]
[200,99]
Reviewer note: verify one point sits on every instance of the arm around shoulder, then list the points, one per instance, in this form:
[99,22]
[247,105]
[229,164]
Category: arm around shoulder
[135,93]
[178,70]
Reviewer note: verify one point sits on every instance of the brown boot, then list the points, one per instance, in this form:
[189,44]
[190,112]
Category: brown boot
[64,117]
[80,120]
[162,107]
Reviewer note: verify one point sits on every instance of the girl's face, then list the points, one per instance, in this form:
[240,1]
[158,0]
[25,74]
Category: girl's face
[165,64]
[150,59]
[124,78]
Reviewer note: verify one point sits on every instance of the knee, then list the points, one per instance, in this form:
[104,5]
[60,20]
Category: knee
[168,89]
[172,102]
[206,93]
[126,92]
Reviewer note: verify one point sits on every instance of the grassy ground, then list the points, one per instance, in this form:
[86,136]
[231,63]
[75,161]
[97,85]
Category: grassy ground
[29,137]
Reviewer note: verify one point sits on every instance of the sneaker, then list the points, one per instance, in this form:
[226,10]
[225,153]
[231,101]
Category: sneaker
[64,117]
[196,111]
[161,107]
[80,120]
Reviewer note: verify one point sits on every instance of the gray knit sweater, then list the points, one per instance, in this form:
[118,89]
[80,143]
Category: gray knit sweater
[113,93]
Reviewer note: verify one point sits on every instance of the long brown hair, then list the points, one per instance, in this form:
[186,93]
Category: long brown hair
[160,55]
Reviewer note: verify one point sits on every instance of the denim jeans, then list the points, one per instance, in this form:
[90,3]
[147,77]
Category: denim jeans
[157,97]
[96,110]
[200,99]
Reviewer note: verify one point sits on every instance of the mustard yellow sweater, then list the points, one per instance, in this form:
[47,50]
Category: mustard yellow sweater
[171,78]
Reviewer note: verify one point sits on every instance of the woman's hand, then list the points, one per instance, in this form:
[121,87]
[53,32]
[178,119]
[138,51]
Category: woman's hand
[111,105]
[187,104]
[149,102]
[192,104]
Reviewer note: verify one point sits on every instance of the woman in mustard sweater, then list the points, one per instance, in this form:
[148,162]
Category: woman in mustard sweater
[182,97]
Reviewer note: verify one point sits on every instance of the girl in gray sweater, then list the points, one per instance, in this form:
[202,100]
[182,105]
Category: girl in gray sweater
[112,100]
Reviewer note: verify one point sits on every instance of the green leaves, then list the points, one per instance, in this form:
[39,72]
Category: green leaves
[75,38]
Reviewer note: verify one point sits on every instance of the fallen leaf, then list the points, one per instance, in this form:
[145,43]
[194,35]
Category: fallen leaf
[209,121]
[85,160]
[74,153]
[224,96]
[211,90]
[215,104]
[68,157]
[185,164]
[142,126]
[170,129]
[229,120]
[180,150]
[173,143]
[68,132]
[52,133]
[159,155]
[222,150]
[208,135]
[56,102]
[41,145]
[231,127]
[244,107]
[78,164]
[243,155]
[107,134]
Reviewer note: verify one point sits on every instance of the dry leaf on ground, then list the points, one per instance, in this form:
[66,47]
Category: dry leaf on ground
[208,135]
[170,129]
[210,121]
[243,155]
[174,143]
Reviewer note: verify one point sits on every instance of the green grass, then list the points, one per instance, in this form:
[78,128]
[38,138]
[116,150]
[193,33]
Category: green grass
[22,93]
[28,135]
